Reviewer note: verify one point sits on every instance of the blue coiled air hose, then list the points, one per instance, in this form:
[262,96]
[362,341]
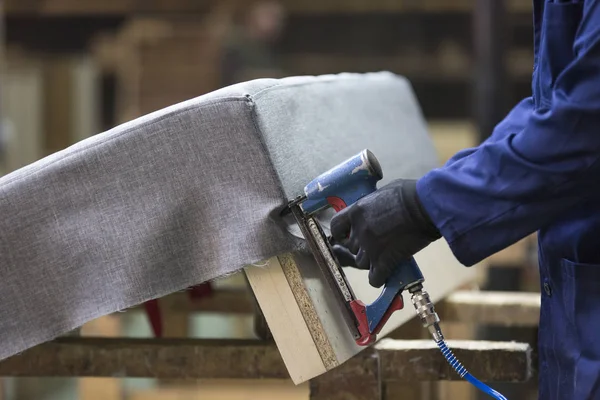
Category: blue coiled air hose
[463,373]
[430,320]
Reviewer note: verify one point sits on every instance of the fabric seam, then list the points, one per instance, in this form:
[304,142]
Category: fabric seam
[258,132]
[326,352]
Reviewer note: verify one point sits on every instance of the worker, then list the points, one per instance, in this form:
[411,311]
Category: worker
[538,172]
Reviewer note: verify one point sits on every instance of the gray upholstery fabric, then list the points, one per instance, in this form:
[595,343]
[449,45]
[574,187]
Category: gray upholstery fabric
[184,195]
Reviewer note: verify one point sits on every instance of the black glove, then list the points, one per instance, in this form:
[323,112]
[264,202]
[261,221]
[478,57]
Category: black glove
[383,229]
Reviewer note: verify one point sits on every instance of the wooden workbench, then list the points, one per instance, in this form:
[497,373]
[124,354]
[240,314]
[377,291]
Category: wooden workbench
[363,377]
[377,373]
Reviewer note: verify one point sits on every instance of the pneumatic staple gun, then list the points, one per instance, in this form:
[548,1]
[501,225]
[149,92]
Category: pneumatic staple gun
[339,188]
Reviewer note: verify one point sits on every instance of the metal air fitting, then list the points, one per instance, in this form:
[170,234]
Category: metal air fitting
[426,312]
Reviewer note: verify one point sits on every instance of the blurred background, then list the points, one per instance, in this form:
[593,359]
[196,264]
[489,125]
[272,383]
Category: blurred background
[74,68]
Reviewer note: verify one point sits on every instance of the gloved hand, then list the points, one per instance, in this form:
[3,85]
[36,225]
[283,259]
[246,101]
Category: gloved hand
[382,229]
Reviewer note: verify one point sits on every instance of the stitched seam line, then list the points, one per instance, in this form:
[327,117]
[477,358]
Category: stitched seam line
[260,136]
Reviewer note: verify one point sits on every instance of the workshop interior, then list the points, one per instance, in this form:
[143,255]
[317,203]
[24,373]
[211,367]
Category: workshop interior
[84,80]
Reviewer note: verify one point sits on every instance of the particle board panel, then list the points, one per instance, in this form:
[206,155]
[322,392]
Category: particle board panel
[305,320]
[284,314]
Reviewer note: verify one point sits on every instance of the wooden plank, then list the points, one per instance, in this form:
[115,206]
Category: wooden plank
[101,388]
[174,325]
[411,330]
[487,361]
[357,379]
[365,377]
[252,359]
[294,340]
[149,358]
[318,313]
[493,308]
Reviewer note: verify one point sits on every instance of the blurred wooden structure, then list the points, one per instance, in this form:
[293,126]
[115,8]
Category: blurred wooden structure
[129,7]
[320,37]
[362,377]
[159,62]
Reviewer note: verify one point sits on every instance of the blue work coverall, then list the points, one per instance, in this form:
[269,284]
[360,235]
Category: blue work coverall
[540,171]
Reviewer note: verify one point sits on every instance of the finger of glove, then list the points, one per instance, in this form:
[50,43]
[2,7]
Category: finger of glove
[376,278]
[344,256]
[362,260]
[381,271]
[340,226]
[353,245]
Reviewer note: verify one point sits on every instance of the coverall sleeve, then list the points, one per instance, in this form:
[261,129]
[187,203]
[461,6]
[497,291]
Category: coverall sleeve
[509,188]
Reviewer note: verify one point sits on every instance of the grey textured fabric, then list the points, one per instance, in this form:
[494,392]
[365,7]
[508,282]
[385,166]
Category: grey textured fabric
[184,195]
